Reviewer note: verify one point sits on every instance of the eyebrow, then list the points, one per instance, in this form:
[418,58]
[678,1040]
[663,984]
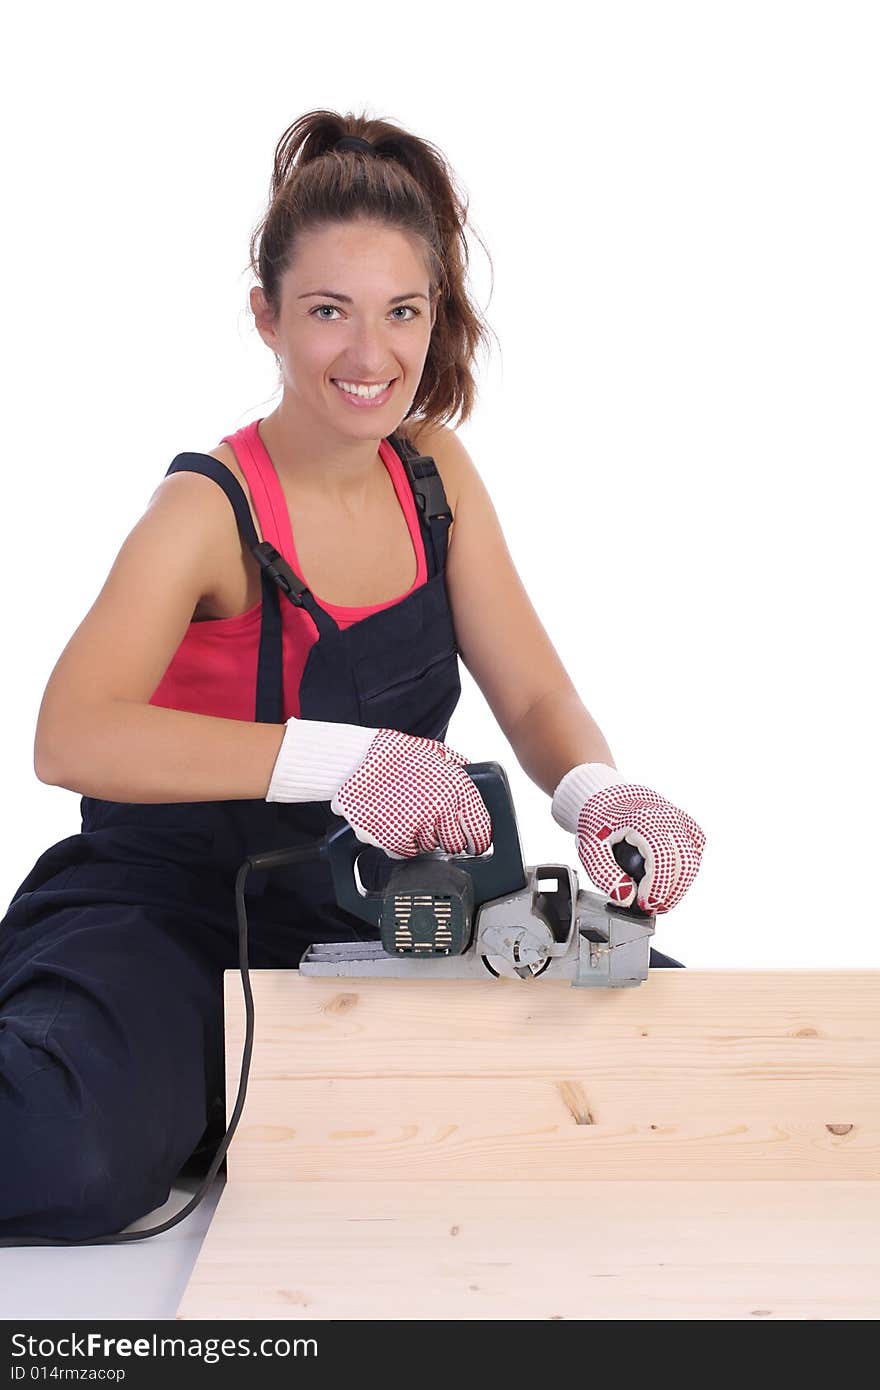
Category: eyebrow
[347,299]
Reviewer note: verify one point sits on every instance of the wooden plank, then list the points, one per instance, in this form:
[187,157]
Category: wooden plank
[720,1006]
[541,1250]
[704,1146]
[695,1074]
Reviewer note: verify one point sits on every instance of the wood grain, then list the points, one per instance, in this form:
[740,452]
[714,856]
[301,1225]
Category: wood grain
[704,1146]
[463,1250]
[693,1075]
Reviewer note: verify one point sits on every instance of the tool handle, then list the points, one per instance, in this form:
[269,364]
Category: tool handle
[632,863]
[495,874]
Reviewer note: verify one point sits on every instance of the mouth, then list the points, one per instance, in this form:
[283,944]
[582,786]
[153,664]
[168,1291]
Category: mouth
[366,396]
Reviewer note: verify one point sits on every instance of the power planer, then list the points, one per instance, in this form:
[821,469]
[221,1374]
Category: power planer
[442,917]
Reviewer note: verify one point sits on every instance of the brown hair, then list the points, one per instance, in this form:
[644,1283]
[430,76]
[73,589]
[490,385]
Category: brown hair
[404,183]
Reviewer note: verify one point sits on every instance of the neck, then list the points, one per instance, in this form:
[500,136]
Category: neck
[317,464]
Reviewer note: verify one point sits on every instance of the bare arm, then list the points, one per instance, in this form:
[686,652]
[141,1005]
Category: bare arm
[97,733]
[125,751]
[501,638]
[555,735]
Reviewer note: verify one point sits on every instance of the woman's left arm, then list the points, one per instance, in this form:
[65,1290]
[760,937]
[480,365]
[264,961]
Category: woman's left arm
[555,738]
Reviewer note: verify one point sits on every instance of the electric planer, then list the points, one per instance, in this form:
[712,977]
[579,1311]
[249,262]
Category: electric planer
[447,917]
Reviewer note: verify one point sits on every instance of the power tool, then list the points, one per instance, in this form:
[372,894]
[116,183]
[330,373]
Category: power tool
[442,917]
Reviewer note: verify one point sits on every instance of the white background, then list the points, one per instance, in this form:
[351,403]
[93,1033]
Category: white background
[681,205]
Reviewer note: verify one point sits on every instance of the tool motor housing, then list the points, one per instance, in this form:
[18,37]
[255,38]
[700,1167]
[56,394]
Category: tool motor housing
[427,909]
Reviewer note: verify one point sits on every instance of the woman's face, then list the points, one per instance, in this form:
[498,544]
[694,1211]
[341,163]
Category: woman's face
[355,308]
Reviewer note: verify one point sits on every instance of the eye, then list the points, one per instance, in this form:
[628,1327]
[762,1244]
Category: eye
[316,312]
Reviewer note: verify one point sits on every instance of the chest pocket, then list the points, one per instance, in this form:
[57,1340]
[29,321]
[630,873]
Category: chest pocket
[420,703]
[413,686]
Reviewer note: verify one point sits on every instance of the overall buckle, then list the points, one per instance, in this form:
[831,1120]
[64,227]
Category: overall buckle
[279,571]
[429,492]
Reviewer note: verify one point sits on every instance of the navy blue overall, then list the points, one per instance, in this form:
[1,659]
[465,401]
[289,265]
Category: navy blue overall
[113,949]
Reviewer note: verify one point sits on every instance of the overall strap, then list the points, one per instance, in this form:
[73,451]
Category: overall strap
[273,565]
[435,516]
[275,574]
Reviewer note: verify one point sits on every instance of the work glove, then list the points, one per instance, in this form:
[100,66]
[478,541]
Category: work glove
[405,794]
[601,808]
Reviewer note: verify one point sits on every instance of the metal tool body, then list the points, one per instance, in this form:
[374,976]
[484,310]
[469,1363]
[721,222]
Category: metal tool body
[443,917]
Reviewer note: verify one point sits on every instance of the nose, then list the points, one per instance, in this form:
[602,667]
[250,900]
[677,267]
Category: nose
[369,353]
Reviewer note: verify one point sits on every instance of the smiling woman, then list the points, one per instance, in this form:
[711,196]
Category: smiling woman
[277,645]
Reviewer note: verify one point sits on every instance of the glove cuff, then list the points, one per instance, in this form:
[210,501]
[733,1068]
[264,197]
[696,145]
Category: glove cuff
[315,758]
[576,787]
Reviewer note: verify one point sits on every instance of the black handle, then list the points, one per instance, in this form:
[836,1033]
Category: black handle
[633,864]
[495,874]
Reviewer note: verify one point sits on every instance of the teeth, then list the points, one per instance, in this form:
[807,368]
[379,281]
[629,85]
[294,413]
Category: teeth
[368,391]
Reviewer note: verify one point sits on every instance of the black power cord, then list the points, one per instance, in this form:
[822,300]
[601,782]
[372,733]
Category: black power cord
[271,859]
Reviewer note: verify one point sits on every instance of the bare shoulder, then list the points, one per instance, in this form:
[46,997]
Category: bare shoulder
[203,501]
[188,482]
[224,453]
[233,583]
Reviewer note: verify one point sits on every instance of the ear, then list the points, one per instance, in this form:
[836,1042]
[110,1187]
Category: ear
[263,317]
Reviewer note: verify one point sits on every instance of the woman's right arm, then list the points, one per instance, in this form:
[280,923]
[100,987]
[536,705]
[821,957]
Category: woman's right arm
[97,734]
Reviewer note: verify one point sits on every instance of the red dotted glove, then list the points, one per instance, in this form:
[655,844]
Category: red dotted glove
[411,795]
[597,805]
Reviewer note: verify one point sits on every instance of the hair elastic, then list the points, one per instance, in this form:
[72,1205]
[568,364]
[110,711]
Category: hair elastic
[354,142]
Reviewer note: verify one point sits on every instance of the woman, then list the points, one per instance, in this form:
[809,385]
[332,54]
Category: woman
[232,691]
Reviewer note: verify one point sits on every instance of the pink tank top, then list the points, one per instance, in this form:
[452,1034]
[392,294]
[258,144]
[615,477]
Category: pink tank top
[214,670]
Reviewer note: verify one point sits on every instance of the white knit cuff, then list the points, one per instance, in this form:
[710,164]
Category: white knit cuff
[576,787]
[315,758]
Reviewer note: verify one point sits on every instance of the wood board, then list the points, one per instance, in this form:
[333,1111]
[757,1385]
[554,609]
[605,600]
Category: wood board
[536,1116]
